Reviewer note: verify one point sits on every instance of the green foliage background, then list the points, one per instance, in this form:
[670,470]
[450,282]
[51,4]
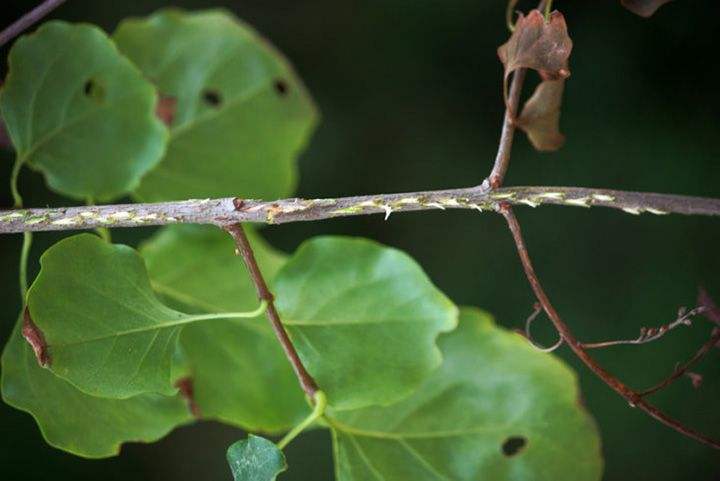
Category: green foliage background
[410,96]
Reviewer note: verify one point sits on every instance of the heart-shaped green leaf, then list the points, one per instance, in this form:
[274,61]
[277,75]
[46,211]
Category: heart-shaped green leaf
[84,425]
[363,317]
[497,409]
[80,112]
[241,375]
[242,115]
[255,459]
[103,328]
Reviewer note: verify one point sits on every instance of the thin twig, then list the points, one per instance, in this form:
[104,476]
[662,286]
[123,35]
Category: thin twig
[653,333]
[244,249]
[537,309]
[231,210]
[507,134]
[29,19]
[682,369]
[632,397]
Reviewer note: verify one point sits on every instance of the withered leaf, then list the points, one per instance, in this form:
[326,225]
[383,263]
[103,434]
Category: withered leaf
[540,117]
[644,8]
[539,45]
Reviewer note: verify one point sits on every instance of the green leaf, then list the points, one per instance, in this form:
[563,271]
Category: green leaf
[104,329]
[80,112]
[84,425]
[255,459]
[497,409]
[241,375]
[364,319]
[242,114]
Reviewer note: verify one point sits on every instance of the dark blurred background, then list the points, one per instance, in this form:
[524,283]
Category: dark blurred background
[410,93]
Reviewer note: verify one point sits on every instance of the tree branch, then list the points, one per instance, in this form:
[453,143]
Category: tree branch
[29,19]
[632,397]
[231,210]
[244,249]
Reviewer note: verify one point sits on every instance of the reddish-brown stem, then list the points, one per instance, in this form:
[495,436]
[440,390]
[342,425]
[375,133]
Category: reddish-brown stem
[244,249]
[682,369]
[632,397]
[28,20]
[507,134]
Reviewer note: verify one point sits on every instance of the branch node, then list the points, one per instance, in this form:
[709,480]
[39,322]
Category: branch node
[238,203]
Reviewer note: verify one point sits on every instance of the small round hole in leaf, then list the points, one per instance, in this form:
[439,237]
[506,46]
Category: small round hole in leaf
[513,445]
[92,89]
[281,87]
[212,97]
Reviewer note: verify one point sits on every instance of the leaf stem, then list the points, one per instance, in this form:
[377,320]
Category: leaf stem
[228,315]
[509,10]
[548,8]
[320,402]
[24,256]
[27,236]
[17,198]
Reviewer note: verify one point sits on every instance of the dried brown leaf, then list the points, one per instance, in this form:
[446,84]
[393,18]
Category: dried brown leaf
[644,8]
[539,45]
[540,117]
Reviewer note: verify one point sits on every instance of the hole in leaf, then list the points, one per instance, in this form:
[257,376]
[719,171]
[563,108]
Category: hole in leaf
[212,97]
[513,445]
[92,89]
[281,87]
